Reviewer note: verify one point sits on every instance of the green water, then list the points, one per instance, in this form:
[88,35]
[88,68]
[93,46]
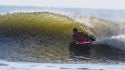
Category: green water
[43,36]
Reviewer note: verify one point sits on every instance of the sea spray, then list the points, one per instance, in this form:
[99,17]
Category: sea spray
[84,20]
[115,41]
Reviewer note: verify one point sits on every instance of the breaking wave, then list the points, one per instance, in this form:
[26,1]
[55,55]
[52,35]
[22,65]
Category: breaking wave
[45,37]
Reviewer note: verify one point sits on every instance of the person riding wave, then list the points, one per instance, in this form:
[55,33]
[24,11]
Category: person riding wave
[80,37]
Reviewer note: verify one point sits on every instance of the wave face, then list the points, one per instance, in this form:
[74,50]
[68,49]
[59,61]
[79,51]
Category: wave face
[36,36]
[41,36]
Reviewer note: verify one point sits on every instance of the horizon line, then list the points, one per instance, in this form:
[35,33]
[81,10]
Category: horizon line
[63,7]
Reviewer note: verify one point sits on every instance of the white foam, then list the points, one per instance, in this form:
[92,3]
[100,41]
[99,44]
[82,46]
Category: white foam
[49,66]
[114,41]
[84,20]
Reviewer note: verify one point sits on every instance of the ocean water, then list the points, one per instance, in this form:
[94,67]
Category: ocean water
[114,41]
[4,65]
[107,14]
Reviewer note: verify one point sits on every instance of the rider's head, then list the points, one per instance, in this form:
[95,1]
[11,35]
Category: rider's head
[75,30]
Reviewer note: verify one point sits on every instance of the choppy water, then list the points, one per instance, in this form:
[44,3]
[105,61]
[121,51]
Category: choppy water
[4,65]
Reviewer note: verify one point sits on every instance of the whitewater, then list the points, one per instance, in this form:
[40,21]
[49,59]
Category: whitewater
[4,65]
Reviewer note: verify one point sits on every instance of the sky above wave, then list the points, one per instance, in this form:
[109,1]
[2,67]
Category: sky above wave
[99,4]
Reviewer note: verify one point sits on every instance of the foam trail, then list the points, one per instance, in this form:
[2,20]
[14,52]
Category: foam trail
[114,41]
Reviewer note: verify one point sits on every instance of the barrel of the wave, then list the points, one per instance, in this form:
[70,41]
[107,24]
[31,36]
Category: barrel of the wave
[80,44]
